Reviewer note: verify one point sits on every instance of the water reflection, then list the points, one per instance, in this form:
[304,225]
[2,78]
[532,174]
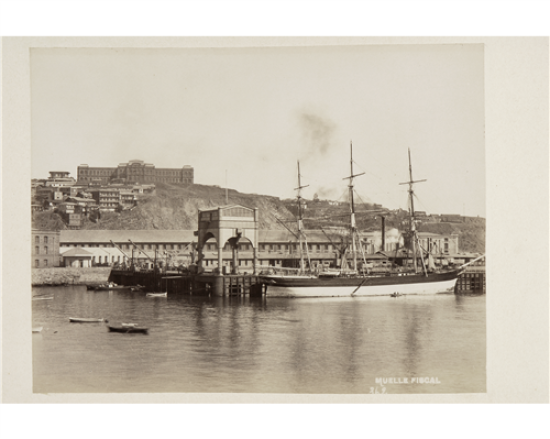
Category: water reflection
[243,344]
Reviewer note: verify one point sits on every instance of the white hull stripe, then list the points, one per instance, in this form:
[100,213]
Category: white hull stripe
[446,286]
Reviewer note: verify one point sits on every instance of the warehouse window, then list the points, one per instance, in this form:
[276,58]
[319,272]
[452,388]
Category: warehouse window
[45,262]
[36,263]
[37,250]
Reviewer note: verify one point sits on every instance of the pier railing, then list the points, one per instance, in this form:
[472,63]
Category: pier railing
[475,269]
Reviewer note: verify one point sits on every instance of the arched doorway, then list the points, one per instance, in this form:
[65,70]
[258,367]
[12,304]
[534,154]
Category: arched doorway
[228,224]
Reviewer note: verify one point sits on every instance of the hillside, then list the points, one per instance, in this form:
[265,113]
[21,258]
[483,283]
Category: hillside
[175,207]
[471,233]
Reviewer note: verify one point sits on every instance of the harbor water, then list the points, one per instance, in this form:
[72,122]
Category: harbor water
[239,344]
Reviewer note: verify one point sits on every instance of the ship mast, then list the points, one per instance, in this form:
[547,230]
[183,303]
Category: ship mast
[353,228]
[300,221]
[412,225]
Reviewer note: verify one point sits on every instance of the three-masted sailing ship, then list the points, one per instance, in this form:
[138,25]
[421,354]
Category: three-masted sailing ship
[353,282]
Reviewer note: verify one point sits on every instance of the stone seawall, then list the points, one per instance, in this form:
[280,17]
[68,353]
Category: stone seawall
[70,276]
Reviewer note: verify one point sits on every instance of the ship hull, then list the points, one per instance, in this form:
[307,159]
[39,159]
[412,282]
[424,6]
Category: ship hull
[439,283]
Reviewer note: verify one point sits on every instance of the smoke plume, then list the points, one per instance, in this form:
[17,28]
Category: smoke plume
[392,236]
[326,193]
[317,133]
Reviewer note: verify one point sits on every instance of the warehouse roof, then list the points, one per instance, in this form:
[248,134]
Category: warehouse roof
[122,236]
[186,236]
[77,252]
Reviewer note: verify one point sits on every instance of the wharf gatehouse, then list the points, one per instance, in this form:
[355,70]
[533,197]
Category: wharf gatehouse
[228,224]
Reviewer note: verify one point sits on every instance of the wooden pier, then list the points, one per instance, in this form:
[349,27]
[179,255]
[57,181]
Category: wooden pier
[230,285]
[472,281]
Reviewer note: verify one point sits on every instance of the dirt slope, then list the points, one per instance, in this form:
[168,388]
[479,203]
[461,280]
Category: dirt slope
[173,207]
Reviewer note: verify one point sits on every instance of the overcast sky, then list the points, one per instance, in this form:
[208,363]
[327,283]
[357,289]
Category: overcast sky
[254,112]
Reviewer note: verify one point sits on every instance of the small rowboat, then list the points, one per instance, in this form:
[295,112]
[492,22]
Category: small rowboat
[156,295]
[42,298]
[84,320]
[37,329]
[128,329]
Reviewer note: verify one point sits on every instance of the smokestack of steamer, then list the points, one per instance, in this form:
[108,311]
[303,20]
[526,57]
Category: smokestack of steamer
[383,233]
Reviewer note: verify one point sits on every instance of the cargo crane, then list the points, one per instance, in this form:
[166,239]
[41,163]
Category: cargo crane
[154,261]
[143,251]
[122,251]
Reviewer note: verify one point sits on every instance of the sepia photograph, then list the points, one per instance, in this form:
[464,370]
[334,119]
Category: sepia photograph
[302,220]
[276,219]
[273,218]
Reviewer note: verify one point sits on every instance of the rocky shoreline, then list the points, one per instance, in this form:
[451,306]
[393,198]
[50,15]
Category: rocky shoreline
[69,276]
